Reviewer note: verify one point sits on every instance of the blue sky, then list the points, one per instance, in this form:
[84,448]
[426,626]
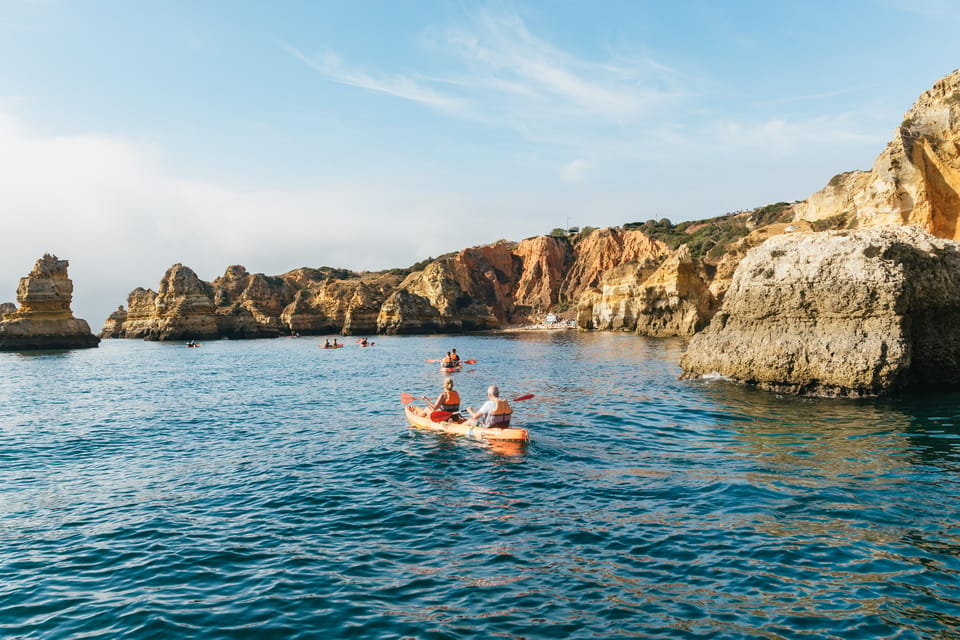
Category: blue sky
[372,134]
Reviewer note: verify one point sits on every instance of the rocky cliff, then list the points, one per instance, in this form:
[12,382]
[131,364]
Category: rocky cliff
[43,319]
[604,249]
[244,305]
[507,283]
[485,287]
[915,180]
[113,326]
[842,313]
[469,291]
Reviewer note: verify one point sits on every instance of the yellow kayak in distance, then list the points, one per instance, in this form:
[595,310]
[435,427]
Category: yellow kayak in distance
[418,417]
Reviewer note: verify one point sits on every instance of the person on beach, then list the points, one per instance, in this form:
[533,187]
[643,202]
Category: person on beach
[448,400]
[492,413]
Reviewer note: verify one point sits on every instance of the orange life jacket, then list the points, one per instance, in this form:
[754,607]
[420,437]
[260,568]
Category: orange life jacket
[450,401]
[500,416]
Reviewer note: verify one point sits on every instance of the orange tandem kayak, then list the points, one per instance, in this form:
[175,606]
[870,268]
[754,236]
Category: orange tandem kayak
[418,417]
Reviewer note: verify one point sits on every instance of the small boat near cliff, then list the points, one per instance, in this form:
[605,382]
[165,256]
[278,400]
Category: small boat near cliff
[418,417]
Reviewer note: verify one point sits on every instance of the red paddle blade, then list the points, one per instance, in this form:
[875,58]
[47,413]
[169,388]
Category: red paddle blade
[523,397]
[470,361]
[406,398]
[440,416]
[433,360]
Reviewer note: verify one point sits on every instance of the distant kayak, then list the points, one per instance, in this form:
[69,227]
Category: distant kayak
[418,417]
[458,367]
[331,346]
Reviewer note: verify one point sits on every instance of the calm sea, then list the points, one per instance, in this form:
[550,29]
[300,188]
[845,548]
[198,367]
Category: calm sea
[272,489]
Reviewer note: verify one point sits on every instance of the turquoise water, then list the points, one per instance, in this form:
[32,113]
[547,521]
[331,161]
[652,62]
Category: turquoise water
[271,489]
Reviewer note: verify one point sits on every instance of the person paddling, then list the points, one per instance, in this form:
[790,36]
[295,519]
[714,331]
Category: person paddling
[454,358]
[495,412]
[448,400]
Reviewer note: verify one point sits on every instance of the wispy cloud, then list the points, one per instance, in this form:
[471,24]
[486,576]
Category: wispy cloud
[503,74]
[614,107]
[825,95]
[400,86]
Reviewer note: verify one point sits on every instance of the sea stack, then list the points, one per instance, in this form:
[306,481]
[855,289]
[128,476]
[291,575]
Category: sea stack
[840,313]
[43,319]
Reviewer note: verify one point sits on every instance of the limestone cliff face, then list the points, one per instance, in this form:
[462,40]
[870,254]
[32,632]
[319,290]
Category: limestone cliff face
[676,299]
[617,301]
[364,306]
[245,297]
[113,326]
[727,265]
[545,262]
[466,292]
[244,305]
[7,307]
[848,313]
[350,306]
[182,309]
[501,284]
[43,319]
[915,181]
[670,298]
[603,250]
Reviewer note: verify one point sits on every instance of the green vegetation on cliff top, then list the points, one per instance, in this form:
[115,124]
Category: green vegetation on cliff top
[710,238]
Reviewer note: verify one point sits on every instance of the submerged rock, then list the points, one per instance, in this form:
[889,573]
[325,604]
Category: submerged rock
[44,319]
[841,313]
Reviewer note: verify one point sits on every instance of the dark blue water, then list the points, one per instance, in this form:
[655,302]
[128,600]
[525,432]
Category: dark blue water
[271,489]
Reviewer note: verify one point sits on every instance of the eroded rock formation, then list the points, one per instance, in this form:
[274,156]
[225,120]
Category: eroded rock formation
[485,287]
[244,305]
[652,298]
[43,319]
[605,249]
[915,180]
[545,263]
[113,326]
[842,313]
[470,291]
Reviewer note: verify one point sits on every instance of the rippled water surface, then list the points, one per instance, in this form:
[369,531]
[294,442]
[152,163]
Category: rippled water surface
[271,489]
